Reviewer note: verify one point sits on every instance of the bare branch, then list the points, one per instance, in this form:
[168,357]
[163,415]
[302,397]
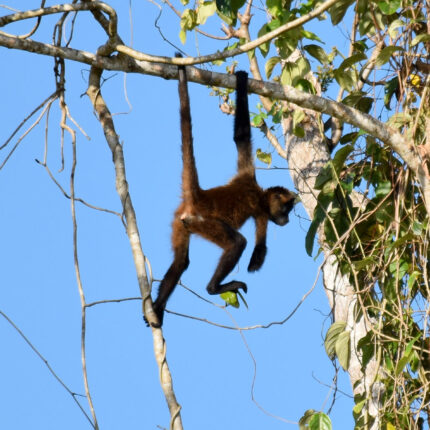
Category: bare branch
[267,89]
[48,99]
[112,139]
[76,261]
[45,361]
[5,20]
[101,302]
[77,199]
[45,109]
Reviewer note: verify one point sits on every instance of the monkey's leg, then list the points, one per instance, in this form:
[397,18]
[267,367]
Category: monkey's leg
[180,243]
[233,244]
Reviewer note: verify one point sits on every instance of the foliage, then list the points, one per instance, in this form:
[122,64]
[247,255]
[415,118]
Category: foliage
[370,212]
[381,240]
[313,420]
[382,248]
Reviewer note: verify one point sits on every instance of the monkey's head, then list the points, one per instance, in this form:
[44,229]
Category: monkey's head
[280,202]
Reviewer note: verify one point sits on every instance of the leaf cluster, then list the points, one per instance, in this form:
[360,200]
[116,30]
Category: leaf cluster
[380,239]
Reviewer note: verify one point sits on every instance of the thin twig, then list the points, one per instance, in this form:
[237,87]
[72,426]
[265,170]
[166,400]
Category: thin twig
[45,361]
[49,100]
[254,377]
[101,302]
[76,259]
[77,199]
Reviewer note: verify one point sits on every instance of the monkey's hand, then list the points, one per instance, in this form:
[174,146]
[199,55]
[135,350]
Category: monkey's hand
[257,258]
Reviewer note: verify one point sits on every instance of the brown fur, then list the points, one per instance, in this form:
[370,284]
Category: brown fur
[216,214]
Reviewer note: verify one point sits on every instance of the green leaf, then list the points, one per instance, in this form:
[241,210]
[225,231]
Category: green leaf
[343,350]
[388,7]
[266,28]
[274,7]
[399,268]
[389,363]
[317,52]
[390,88]
[420,38]
[367,346]
[270,64]
[412,278]
[293,72]
[364,104]
[401,364]
[392,29]
[230,298]
[205,10]
[349,137]
[353,59]
[257,120]
[340,157]
[383,188]
[385,55]
[346,79]
[338,10]
[299,132]
[332,336]
[324,199]
[399,120]
[305,86]
[227,10]
[359,406]
[183,36]
[310,236]
[320,421]
[368,261]
[417,228]
[304,420]
[264,157]
[224,8]
[298,116]
[325,175]
[188,19]
[309,35]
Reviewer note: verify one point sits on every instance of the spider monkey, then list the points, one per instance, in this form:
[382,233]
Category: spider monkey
[217,213]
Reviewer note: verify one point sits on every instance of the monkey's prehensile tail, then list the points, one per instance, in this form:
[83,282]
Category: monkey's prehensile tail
[242,125]
[190,180]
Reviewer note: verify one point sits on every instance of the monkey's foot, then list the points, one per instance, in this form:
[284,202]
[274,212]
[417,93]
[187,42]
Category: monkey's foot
[159,312]
[234,286]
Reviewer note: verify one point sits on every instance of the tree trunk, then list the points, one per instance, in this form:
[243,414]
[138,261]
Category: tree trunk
[306,156]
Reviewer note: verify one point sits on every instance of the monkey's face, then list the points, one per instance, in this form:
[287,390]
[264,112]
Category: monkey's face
[280,202]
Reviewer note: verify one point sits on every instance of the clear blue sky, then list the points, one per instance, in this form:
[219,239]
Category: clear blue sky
[212,368]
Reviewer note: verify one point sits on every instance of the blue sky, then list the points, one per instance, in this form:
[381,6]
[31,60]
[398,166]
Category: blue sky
[212,368]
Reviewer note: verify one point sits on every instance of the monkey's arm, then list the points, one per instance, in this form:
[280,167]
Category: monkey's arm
[260,249]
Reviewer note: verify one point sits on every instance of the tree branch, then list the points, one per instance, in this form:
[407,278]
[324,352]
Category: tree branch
[36,13]
[340,111]
[112,139]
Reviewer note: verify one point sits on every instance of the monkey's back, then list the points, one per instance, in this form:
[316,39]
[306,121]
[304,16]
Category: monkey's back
[232,203]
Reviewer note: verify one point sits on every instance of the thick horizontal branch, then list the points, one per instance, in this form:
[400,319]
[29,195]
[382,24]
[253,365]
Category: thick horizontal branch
[267,89]
[271,90]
